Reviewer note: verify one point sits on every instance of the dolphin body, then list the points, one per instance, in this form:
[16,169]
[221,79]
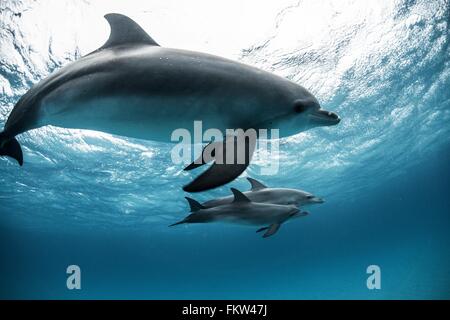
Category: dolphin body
[133,87]
[243,211]
[262,194]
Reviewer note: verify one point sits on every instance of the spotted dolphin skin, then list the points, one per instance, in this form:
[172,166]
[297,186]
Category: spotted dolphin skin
[262,194]
[133,87]
[243,211]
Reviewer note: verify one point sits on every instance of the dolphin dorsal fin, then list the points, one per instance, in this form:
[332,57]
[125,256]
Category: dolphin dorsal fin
[256,185]
[125,31]
[194,204]
[239,196]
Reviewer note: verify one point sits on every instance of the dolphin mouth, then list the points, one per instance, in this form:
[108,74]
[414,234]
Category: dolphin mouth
[318,200]
[324,118]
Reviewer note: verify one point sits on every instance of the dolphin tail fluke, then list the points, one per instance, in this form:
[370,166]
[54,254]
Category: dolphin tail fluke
[194,205]
[177,223]
[10,147]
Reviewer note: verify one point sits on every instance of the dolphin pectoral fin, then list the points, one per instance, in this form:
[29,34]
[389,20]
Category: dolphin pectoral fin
[262,229]
[197,162]
[273,228]
[225,168]
[194,165]
[217,175]
[208,154]
[11,148]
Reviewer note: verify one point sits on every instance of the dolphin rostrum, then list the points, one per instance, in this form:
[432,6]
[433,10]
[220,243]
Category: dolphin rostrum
[243,211]
[133,87]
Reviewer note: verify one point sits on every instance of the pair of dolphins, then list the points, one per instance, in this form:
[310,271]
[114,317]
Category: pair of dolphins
[133,87]
[261,206]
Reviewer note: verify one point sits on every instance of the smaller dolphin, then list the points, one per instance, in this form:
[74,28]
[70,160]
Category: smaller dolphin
[243,211]
[262,194]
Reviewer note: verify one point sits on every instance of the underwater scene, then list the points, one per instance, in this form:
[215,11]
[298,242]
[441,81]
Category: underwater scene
[356,204]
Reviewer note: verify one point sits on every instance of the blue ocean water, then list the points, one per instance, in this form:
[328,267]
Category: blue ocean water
[104,202]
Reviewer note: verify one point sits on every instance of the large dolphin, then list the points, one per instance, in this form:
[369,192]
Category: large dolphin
[262,194]
[243,211]
[133,87]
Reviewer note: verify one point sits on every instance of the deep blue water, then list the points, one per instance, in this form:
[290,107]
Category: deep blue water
[104,202]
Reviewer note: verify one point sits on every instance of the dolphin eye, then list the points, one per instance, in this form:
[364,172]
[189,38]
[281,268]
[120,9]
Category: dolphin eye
[309,197]
[300,107]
